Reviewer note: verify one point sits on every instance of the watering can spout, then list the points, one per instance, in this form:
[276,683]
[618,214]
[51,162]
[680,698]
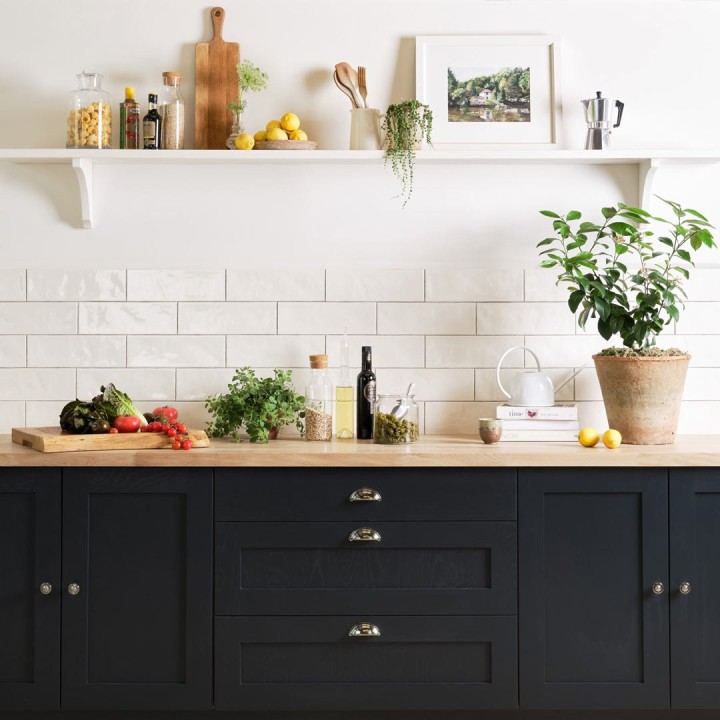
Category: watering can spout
[570,377]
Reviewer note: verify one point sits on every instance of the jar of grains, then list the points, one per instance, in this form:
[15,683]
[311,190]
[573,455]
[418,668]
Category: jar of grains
[396,420]
[318,400]
[89,121]
[172,111]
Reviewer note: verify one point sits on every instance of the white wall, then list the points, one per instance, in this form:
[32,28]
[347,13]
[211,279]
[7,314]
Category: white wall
[656,57]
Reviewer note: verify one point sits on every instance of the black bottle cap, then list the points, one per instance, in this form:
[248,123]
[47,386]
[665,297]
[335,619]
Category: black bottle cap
[152,97]
[366,349]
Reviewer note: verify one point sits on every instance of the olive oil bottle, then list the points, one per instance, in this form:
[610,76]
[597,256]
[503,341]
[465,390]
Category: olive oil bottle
[344,396]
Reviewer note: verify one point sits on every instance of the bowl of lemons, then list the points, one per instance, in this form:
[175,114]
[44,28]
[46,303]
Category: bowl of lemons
[282,134]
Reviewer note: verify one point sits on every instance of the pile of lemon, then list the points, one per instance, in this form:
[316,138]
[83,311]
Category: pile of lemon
[286,128]
[590,437]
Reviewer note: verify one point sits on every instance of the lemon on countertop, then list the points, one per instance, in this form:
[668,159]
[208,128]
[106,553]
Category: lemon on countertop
[612,438]
[588,437]
[289,122]
[272,124]
[276,133]
[260,136]
[244,141]
[298,135]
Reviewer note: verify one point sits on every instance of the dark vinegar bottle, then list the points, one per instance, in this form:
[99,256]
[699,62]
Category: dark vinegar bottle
[365,396]
[152,125]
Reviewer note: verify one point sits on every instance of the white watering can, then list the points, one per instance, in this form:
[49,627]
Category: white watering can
[531,388]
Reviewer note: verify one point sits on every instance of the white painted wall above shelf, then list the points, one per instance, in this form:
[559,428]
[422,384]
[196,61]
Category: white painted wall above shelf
[648,161]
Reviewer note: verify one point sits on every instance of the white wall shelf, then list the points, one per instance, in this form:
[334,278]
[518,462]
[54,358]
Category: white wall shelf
[83,161]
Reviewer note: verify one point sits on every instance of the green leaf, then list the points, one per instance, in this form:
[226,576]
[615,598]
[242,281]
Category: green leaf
[546,241]
[684,254]
[549,213]
[609,212]
[673,312]
[548,263]
[573,215]
[604,329]
[696,214]
[576,297]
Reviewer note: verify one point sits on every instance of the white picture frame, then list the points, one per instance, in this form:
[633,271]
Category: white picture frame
[475,71]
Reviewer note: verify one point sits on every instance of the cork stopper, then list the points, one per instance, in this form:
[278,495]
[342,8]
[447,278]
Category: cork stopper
[318,361]
[171,78]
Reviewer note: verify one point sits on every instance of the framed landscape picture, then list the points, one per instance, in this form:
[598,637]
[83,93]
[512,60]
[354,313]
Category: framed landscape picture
[490,90]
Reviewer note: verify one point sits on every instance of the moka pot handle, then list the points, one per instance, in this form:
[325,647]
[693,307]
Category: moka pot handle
[620,106]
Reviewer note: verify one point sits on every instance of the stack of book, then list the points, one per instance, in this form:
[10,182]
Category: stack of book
[545,424]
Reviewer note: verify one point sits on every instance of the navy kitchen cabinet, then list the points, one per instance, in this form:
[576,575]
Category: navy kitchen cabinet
[29,589]
[594,588]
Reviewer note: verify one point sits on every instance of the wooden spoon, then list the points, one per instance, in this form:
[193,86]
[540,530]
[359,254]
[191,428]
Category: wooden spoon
[343,89]
[348,77]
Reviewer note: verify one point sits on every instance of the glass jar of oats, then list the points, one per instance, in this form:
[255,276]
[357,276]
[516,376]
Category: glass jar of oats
[89,122]
[172,111]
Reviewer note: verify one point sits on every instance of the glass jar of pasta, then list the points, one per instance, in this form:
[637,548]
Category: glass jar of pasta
[89,122]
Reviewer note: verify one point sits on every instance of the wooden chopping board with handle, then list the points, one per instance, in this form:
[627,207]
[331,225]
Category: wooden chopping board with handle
[216,84]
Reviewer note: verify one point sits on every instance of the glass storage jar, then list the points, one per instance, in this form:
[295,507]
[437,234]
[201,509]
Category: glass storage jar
[396,419]
[89,123]
[318,400]
[172,111]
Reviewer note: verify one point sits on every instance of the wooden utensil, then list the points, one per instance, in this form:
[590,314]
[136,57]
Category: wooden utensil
[343,89]
[216,84]
[348,77]
[362,84]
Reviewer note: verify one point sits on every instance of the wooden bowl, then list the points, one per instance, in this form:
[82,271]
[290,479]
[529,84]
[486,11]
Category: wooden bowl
[285,145]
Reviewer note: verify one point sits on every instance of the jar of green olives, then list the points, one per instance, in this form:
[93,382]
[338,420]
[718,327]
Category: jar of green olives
[396,420]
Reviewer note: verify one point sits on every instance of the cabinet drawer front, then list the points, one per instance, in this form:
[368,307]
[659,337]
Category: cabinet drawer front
[300,663]
[472,494]
[413,569]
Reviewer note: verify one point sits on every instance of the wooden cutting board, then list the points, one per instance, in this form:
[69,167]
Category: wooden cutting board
[52,439]
[216,84]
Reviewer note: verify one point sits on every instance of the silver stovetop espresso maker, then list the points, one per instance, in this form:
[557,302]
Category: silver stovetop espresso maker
[599,113]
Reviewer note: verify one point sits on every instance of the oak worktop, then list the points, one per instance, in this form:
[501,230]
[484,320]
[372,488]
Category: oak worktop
[429,451]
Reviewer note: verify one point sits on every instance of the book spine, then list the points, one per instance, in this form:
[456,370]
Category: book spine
[534,424]
[557,412]
[539,436]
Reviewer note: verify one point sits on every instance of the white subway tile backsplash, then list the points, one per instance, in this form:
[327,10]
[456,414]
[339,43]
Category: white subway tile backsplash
[197,384]
[176,285]
[375,285]
[12,285]
[698,418]
[12,414]
[175,350]
[474,285]
[587,386]
[146,384]
[524,319]
[38,318]
[276,284]
[564,350]
[426,318]
[471,351]
[429,384]
[702,384]
[699,318]
[456,417]
[193,414]
[592,414]
[76,350]
[326,318]
[125,318]
[704,349]
[388,351]
[44,413]
[540,287]
[37,384]
[12,351]
[279,351]
[703,285]
[68,285]
[231,318]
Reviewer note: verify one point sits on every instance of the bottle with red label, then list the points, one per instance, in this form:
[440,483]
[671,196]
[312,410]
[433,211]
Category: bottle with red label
[130,122]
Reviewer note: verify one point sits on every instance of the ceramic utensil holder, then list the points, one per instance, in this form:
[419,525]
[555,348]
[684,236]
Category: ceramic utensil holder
[365,133]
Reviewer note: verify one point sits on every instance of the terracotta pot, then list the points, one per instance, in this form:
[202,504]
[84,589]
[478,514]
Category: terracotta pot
[642,396]
[273,433]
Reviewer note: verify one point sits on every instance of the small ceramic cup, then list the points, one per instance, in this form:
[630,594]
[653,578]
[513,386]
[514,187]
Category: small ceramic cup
[490,430]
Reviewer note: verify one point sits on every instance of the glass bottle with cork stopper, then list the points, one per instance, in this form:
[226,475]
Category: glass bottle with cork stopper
[318,400]
[172,111]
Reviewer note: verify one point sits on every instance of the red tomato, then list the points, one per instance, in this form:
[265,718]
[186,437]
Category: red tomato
[127,423]
[181,428]
[171,432]
[114,430]
[187,444]
[170,413]
[176,445]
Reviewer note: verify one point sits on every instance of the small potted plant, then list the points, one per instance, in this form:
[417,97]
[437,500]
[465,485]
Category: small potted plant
[250,79]
[260,405]
[406,125]
[630,278]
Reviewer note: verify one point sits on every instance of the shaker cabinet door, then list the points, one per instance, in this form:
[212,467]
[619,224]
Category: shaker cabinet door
[695,587]
[137,588]
[594,597]
[29,589]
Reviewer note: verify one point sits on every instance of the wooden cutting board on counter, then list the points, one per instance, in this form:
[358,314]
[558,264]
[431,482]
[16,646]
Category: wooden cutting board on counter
[216,84]
[52,439]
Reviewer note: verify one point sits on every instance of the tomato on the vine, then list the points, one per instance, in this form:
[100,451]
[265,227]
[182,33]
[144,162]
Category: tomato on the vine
[127,423]
[170,413]
[181,428]
[176,445]
[171,432]
[187,444]
[113,430]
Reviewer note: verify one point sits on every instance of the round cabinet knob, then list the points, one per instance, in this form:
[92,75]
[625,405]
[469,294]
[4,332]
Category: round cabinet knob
[73,589]
[685,588]
[364,630]
[658,588]
[45,588]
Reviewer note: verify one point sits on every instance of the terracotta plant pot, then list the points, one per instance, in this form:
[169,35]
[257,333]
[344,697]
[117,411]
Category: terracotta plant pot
[642,396]
[273,433]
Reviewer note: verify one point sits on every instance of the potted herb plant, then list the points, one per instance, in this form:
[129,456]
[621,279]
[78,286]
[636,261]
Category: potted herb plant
[250,79]
[260,405]
[406,125]
[628,273]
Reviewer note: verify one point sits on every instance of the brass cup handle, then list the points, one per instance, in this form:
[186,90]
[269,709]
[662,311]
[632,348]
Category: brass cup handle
[45,588]
[364,534]
[365,494]
[685,588]
[73,589]
[658,588]
[364,630]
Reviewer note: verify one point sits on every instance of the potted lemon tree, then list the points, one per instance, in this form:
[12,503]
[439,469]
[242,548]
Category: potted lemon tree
[627,274]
